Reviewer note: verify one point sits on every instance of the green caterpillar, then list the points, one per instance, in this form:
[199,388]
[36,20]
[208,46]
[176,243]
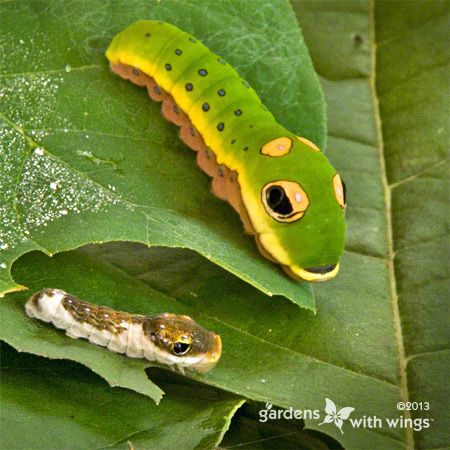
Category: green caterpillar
[286,191]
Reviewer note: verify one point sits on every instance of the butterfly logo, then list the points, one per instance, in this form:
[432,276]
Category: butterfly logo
[335,416]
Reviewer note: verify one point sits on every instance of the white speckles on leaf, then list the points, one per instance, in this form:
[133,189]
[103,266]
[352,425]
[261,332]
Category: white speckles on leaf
[37,188]
[19,100]
[38,134]
[43,198]
[13,151]
[31,51]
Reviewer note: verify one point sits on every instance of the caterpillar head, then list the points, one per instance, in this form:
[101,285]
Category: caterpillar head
[297,208]
[181,341]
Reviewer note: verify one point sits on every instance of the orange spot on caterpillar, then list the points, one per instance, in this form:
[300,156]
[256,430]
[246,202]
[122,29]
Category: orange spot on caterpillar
[277,147]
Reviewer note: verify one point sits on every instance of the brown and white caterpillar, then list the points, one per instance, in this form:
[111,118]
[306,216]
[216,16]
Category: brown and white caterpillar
[174,340]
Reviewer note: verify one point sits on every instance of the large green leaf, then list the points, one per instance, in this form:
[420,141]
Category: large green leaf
[380,335]
[412,85]
[87,157]
[388,101]
[273,351]
[57,405]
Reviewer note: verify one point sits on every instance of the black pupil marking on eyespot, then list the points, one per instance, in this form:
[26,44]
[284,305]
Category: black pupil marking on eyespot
[203,72]
[205,106]
[189,86]
[148,34]
[238,112]
[180,347]
[344,192]
[221,92]
[278,200]
[220,126]
[168,67]
[178,52]
[233,141]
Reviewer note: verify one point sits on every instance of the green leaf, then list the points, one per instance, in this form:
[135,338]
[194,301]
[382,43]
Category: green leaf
[386,103]
[55,405]
[380,334]
[34,337]
[87,157]
[273,351]
[414,123]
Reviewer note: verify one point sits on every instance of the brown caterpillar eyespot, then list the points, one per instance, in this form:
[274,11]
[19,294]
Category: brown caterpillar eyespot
[284,201]
[180,348]
[339,190]
[277,147]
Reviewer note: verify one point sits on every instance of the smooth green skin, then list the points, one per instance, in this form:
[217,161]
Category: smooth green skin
[317,238]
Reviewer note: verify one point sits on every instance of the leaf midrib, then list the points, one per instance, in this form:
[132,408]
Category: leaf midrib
[403,380]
